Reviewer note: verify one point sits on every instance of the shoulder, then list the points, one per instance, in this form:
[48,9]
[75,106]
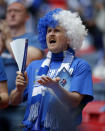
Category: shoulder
[30,36]
[35,64]
[25,35]
[81,61]
[80,65]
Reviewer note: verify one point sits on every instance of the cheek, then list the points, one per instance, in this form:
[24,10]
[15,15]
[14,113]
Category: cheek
[63,44]
[1,37]
[62,40]
[47,37]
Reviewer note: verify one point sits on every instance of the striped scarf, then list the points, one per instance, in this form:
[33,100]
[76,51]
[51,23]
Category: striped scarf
[68,58]
[40,107]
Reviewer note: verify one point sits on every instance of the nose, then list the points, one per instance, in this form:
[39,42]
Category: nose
[52,32]
[12,13]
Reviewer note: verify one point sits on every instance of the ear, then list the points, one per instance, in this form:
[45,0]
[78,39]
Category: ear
[27,16]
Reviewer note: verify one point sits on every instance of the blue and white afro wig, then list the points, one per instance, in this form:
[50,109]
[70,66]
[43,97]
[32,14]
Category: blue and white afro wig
[71,22]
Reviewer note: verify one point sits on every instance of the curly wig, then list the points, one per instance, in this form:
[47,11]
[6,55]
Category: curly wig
[71,22]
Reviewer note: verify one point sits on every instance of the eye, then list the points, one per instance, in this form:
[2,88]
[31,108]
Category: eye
[8,11]
[57,30]
[49,30]
[17,11]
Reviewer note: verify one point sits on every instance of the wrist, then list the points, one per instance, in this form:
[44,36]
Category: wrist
[57,88]
[18,91]
[16,97]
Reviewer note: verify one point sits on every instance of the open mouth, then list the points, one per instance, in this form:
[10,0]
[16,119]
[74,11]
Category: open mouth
[52,41]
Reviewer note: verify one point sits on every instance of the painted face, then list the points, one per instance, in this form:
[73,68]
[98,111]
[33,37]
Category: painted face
[56,39]
[16,14]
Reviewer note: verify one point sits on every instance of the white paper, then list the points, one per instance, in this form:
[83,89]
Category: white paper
[18,47]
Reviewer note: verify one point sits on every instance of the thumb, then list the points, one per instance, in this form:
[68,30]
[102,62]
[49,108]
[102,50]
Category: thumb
[57,79]
[25,76]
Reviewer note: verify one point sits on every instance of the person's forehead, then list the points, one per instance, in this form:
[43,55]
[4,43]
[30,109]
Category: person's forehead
[16,5]
[57,27]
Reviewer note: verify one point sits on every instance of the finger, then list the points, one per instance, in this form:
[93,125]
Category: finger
[57,79]
[41,82]
[19,73]
[20,81]
[44,79]
[25,76]
[49,79]
[53,80]
[19,77]
[19,84]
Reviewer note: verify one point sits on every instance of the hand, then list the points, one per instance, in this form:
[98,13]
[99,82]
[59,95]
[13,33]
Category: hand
[21,81]
[49,82]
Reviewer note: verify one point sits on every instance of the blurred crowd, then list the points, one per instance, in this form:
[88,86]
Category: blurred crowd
[92,13]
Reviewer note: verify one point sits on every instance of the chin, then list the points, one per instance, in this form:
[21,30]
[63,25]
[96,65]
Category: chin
[13,23]
[54,51]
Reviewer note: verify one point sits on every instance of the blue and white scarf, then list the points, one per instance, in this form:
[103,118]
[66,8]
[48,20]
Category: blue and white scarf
[68,58]
[41,109]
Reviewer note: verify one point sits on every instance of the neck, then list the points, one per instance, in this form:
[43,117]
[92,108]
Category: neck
[57,56]
[17,31]
[60,56]
[65,57]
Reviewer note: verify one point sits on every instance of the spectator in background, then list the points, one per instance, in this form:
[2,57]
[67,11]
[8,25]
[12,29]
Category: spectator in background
[5,36]
[16,17]
[2,9]
[33,9]
[100,16]
[99,69]
[4,98]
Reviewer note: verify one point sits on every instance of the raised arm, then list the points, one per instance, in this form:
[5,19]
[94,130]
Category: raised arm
[16,95]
